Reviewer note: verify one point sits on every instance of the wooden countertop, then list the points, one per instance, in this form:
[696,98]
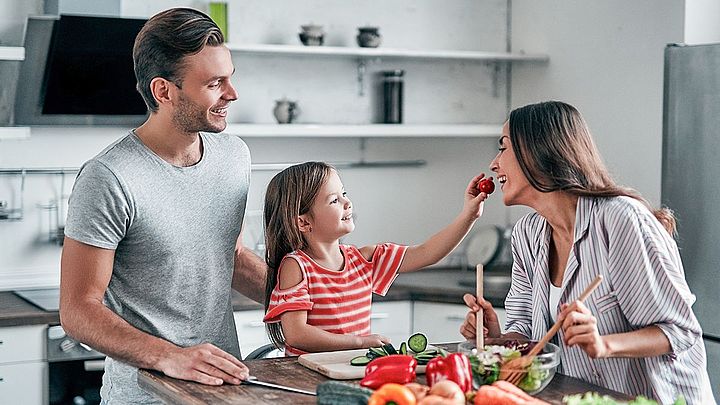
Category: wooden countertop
[431,285]
[287,371]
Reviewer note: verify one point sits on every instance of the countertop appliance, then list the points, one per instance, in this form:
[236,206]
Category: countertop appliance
[690,173]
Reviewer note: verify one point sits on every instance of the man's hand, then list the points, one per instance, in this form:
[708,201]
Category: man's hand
[205,364]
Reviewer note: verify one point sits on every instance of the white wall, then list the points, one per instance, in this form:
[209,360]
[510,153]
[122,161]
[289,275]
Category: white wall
[701,21]
[402,205]
[606,58]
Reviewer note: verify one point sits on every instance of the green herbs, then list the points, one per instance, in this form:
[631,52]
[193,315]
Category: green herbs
[593,398]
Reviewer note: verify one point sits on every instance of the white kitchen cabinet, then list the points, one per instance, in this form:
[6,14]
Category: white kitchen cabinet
[392,319]
[23,365]
[24,383]
[250,330]
[441,322]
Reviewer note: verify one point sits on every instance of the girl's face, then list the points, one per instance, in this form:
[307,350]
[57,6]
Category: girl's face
[514,184]
[331,214]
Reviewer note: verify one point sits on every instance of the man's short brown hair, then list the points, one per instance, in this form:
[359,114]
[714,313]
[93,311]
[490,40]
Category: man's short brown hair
[164,41]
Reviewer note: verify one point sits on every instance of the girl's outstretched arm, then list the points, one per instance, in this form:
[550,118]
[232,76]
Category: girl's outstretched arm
[443,242]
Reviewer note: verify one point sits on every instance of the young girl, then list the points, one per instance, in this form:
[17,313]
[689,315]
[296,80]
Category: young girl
[318,291]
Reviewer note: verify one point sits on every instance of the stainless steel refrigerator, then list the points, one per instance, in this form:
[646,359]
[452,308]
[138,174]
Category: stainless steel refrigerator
[691,179]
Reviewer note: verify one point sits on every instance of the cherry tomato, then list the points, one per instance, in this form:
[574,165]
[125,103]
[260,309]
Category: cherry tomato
[486,185]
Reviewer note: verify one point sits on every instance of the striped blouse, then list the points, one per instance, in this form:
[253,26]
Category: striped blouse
[338,301]
[644,284]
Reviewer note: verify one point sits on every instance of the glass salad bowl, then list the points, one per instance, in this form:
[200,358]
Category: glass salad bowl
[486,363]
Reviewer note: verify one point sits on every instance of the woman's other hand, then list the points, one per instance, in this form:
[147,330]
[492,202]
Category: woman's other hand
[491,325]
[580,328]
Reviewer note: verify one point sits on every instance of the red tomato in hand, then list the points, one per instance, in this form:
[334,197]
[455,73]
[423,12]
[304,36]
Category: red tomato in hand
[486,185]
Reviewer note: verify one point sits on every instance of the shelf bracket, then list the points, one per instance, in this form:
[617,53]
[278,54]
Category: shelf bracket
[361,70]
[496,79]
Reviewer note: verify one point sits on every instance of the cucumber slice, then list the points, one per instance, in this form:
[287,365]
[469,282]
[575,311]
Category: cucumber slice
[417,342]
[377,351]
[403,348]
[389,349]
[360,361]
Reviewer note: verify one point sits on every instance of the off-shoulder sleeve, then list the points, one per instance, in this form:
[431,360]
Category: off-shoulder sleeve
[386,261]
[295,298]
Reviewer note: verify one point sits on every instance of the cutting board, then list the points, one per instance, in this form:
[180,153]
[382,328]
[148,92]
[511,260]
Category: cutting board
[336,365]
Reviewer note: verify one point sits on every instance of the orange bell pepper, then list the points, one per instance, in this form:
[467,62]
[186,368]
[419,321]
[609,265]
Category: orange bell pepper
[392,393]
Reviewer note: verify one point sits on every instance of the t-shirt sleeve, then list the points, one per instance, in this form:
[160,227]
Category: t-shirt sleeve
[295,298]
[386,261]
[99,211]
[518,303]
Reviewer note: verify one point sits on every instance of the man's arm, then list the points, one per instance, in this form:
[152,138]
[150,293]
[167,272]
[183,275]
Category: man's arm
[84,276]
[249,274]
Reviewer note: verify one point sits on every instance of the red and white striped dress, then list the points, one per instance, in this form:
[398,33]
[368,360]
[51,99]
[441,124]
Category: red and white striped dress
[337,301]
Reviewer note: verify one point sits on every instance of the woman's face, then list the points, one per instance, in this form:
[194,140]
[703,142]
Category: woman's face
[515,186]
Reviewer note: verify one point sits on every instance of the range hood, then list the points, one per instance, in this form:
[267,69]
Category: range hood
[78,70]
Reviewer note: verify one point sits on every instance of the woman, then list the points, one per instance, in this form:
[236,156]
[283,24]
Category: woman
[636,333]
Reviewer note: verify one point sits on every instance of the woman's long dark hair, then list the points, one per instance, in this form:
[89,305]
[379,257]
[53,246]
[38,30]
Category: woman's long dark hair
[289,194]
[555,150]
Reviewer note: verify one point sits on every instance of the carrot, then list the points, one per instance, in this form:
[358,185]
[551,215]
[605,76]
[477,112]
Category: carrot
[506,386]
[490,395]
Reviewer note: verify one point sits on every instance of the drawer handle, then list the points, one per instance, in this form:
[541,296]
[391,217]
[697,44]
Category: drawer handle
[455,318]
[255,324]
[379,315]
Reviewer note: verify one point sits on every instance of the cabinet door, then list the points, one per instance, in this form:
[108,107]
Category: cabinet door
[439,322]
[24,383]
[250,330]
[22,343]
[391,319]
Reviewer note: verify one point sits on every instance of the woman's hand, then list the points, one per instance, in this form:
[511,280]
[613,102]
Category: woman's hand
[491,325]
[580,328]
[375,340]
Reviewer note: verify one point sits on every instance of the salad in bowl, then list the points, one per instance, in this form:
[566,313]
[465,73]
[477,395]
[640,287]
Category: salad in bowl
[486,363]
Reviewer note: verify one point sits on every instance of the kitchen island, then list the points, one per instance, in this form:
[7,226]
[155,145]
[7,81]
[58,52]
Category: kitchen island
[287,371]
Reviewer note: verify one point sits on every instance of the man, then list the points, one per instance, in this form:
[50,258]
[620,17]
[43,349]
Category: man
[150,251]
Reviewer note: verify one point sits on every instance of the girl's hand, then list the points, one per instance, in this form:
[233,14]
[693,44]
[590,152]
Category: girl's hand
[491,325]
[580,328]
[474,199]
[369,341]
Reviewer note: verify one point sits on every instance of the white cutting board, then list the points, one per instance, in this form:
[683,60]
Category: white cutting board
[336,365]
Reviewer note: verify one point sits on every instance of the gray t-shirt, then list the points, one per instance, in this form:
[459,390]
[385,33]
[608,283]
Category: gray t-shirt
[174,231]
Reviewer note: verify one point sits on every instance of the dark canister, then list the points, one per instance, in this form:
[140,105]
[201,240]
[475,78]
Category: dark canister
[392,96]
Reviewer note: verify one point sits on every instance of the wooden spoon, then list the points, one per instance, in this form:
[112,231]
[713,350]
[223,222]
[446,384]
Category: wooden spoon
[514,370]
[480,315]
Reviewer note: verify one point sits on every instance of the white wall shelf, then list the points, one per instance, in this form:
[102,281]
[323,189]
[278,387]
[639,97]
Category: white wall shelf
[366,130]
[7,133]
[352,52]
[12,53]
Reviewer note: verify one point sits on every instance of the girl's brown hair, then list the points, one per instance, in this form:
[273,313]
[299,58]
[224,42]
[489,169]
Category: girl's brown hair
[555,150]
[289,194]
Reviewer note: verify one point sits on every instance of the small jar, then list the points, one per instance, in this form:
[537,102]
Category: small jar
[368,37]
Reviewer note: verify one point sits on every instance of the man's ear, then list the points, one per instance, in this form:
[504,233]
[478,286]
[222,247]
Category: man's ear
[162,90]
[304,224]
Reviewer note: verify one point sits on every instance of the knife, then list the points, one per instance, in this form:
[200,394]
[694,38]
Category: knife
[254,381]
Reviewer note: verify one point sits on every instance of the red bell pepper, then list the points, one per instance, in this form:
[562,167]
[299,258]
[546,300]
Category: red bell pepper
[395,368]
[454,367]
